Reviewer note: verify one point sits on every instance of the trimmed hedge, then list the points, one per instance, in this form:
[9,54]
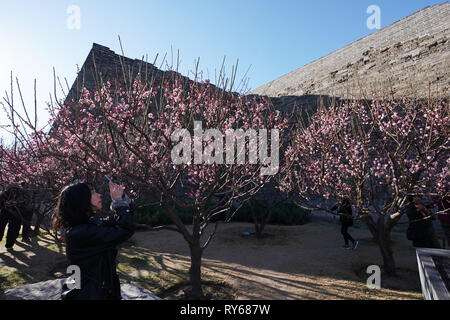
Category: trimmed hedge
[154,215]
[283,214]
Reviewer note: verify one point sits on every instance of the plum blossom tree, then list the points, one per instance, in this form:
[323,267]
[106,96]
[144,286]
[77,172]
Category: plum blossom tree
[26,159]
[36,172]
[127,131]
[375,153]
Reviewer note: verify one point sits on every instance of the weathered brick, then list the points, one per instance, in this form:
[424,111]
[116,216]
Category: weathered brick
[420,39]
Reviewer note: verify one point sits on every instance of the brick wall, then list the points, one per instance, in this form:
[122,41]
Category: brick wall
[402,57]
[108,65]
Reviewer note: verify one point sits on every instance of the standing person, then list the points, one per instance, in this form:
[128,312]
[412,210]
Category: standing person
[420,230]
[91,242]
[443,205]
[13,206]
[27,214]
[26,225]
[346,217]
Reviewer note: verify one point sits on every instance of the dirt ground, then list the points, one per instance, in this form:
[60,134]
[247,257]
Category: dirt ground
[291,262]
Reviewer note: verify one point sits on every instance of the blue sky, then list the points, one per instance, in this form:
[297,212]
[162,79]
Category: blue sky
[274,37]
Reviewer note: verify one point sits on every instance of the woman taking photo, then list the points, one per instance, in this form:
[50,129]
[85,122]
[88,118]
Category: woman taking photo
[91,242]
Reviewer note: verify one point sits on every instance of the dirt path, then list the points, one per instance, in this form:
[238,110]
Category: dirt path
[292,262]
[295,262]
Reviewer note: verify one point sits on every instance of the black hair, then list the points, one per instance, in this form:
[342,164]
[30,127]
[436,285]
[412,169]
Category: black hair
[73,206]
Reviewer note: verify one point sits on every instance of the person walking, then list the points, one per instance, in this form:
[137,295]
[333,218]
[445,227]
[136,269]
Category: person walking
[90,241]
[420,230]
[346,218]
[13,207]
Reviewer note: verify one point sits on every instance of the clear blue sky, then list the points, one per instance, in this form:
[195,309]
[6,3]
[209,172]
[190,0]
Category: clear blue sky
[274,37]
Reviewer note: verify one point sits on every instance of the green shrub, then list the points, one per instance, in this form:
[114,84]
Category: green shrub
[290,214]
[154,214]
[283,214]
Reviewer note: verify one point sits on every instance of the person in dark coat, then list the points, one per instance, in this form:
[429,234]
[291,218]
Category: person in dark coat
[27,214]
[13,209]
[91,243]
[420,230]
[443,207]
[26,225]
[346,218]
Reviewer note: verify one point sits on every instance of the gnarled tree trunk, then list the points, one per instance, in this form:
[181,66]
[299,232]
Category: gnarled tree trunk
[384,243]
[382,234]
[194,245]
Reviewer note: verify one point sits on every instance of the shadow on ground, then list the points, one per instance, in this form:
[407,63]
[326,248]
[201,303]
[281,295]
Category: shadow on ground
[41,259]
[291,262]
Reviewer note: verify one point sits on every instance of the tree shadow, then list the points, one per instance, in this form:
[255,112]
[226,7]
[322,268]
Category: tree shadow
[31,262]
[276,276]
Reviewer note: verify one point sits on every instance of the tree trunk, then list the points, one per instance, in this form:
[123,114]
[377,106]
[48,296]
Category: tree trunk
[258,226]
[194,245]
[258,230]
[371,225]
[388,257]
[195,270]
[265,217]
[196,259]
[384,243]
[259,233]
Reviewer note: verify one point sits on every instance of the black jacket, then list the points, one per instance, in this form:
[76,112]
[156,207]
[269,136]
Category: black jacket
[416,219]
[92,247]
[346,214]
